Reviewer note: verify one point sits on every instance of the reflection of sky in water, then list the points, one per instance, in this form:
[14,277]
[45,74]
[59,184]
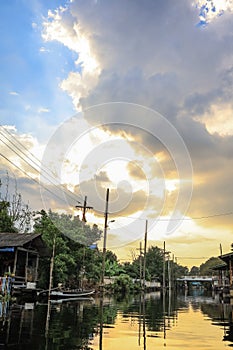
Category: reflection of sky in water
[188,322]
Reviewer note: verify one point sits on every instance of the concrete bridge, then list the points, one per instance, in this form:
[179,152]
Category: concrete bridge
[197,279]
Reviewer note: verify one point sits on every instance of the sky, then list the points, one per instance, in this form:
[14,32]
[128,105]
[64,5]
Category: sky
[134,96]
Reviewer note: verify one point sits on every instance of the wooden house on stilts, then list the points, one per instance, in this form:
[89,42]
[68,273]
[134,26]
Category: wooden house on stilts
[19,260]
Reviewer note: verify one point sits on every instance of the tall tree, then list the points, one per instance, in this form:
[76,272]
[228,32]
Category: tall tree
[72,255]
[206,267]
[75,229]
[194,271]
[16,216]
[154,262]
[6,222]
[63,262]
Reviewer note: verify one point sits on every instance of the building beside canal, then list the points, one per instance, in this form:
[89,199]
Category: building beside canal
[19,259]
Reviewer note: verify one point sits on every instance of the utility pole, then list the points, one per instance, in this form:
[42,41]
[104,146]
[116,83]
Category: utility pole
[144,261]
[140,266]
[164,262]
[172,272]
[105,237]
[166,254]
[169,273]
[84,208]
[220,249]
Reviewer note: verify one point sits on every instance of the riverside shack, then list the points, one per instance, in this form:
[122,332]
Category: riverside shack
[19,259]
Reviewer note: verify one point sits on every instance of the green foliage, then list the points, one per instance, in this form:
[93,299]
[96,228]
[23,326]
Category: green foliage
[113,268]
[123,284]
[6,222]
[206,268]
[154,262]
[93,265]
[194,271]
[73,260]
[111,256]
[133,270]
[72,227]
[15,216]
[180,270]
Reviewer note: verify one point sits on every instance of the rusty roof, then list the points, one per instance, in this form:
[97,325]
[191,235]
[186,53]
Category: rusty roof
[10,239]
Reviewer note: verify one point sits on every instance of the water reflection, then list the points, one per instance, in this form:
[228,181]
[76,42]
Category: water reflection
[147,321]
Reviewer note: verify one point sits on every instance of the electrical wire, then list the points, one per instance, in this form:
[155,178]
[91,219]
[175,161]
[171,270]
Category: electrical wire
[192,257]
[50,178]
[38,161]
[170,219]
[47,189]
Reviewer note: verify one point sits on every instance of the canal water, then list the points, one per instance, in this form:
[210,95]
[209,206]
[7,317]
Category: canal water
[196,321]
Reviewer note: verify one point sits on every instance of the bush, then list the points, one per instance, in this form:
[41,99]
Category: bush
[123,284]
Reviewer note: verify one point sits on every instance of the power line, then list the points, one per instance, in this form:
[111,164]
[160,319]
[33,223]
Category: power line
[37,160]
[192,257]
[172,219]
[50,178]
[47,189]
[46,170]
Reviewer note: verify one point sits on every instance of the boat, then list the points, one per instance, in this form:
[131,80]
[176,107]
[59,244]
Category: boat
[63,294]
[56,293]
[86,299]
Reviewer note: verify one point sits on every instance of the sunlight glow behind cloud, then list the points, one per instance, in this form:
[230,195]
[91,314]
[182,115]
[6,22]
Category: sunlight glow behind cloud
[212,9]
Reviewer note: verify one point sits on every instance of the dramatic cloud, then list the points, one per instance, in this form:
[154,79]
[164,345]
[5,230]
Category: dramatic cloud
[160,56]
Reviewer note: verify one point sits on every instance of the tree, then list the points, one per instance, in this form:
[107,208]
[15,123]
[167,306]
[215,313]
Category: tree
[154,262]
[14,214]
[194,271]
[75,229]
[132,269]
[123,284]
[72,258]
[63,262]
[113,268]
[6,222]
[206,267]
[180,270]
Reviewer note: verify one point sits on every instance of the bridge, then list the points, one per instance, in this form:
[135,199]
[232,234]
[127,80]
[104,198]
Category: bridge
[197,279]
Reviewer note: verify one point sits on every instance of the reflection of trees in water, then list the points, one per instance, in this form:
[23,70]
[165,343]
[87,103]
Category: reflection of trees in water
[213,311]
[221,315]
[154,308]
[71,326]
[74,325]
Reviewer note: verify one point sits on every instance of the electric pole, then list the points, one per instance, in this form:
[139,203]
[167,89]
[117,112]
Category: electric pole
[140,266]
[105,237]
[144,261]
[84,208]
[164,262]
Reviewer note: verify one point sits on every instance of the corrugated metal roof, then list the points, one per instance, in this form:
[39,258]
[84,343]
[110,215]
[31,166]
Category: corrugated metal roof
[11,239]
[226,257]
[220,267]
